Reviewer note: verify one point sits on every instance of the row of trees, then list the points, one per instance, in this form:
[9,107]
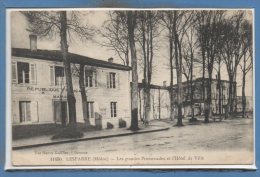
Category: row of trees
[206,38]
[210,38]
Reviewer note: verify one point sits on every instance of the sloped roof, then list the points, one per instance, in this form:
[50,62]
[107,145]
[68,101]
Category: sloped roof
[56,55]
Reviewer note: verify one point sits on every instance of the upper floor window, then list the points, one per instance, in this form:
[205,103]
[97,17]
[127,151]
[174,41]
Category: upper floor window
[90,78]
[112,80]
[57,75]
[23,73]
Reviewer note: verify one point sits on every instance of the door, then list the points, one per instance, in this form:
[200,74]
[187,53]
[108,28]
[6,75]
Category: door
[60,112]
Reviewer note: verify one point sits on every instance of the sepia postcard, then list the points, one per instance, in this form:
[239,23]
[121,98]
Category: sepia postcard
[130,88]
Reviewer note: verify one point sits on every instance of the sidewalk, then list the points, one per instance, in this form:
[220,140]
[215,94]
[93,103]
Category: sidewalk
[153,126]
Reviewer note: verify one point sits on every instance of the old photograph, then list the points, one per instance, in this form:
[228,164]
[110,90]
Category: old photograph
[131,87]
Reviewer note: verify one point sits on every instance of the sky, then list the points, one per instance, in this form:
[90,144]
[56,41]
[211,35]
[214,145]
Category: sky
[93,48]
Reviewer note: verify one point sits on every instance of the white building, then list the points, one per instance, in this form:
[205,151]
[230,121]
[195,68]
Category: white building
[39,92]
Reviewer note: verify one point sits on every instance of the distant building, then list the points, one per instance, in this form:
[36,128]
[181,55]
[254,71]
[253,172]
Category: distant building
[39,88]
[160,101]
[198,100]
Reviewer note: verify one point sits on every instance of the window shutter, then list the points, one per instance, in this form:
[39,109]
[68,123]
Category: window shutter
[118,80]
[95,78]
[14,72]
[28,111]
[108,80]
[85,76]
[52,79]
[34,111]
[33,73]
[16,111]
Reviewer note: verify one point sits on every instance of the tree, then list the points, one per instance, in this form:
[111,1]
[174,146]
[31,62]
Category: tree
[114,30]
[176,23]
[148,31]
[201,21]
[246,64]
[232,53]
[80,73]
[131,25]
[210,47]
[53,23]
[190,45]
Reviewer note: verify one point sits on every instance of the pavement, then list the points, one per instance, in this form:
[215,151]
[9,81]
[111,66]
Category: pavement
[154,126]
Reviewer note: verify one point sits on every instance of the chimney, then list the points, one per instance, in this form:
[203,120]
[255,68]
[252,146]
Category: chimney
[33,42]
[164,83]
[110,60]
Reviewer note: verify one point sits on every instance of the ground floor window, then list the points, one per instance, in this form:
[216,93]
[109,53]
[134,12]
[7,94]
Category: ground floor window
[113,109]
[90,113]
[25,111]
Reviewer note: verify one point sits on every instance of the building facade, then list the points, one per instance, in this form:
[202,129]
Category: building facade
[39,88]
[160,101]
[217,100]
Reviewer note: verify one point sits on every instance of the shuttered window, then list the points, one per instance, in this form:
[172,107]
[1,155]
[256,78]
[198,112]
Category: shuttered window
[25,111]
[90,78]
[57,75]
[113,80]
[23,73]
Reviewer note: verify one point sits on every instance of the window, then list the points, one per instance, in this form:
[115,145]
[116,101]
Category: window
[25,111]
[90,78]
[59,75]
[113,109]
[23,73]
[90,113]
[111,80]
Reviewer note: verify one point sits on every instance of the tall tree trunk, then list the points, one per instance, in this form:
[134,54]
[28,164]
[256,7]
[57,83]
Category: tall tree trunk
[243,89]
[171,81]
[191,88]
[178,58]
[208,110]
[140,104]
[179,99]
[83,95]
[219,93]
[234,95]
[230,91]
[131,22]
[66,60]
[202,48]
[147,105]
[243,96]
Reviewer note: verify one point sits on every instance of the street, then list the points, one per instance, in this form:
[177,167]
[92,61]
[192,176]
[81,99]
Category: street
[227,135]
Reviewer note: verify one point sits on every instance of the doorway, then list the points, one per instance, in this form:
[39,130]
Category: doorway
[60,112]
